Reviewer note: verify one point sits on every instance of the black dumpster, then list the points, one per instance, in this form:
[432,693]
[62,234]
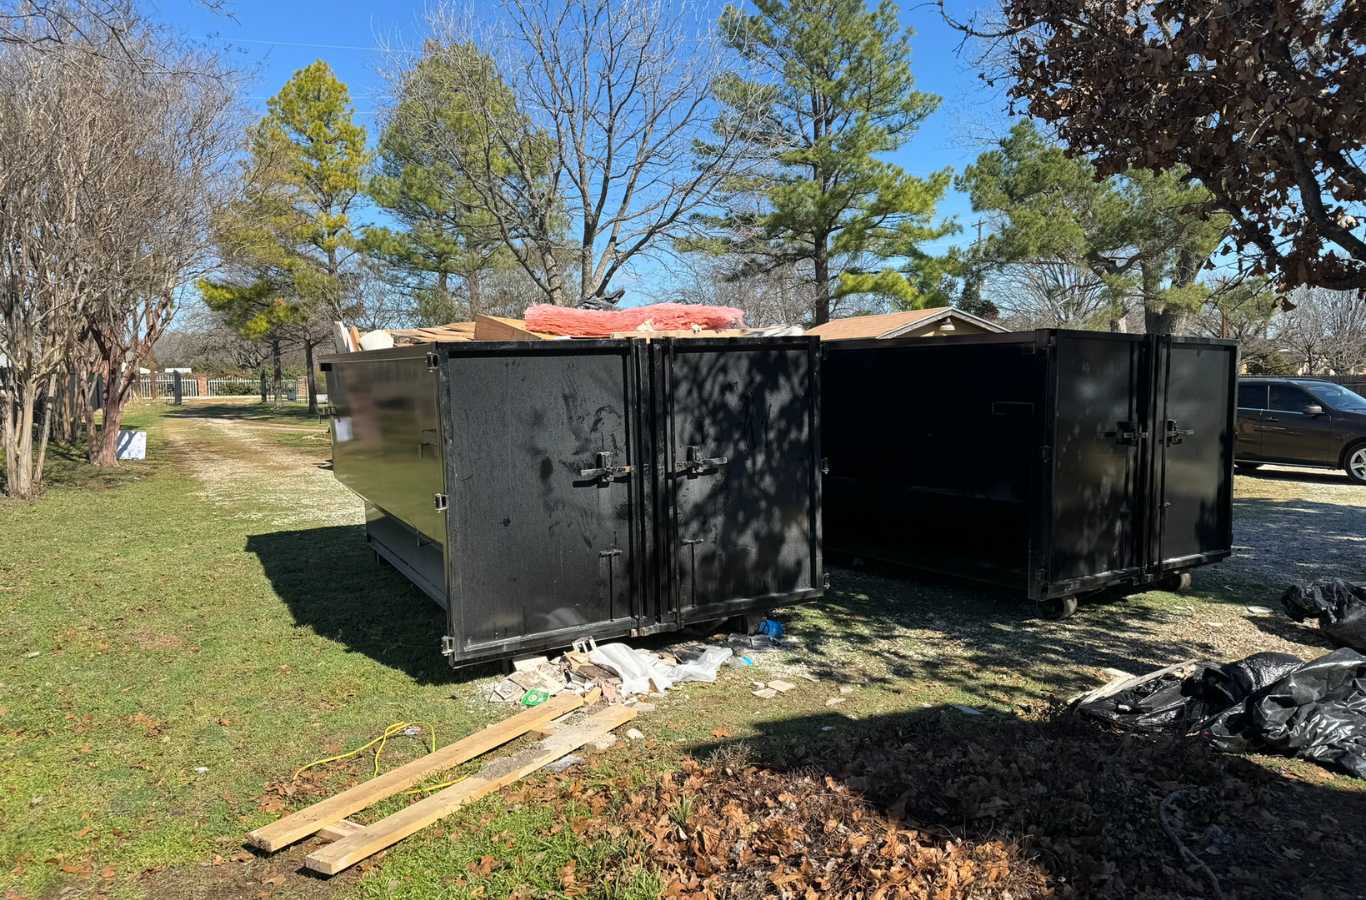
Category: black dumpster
[547,491]
[1055,462]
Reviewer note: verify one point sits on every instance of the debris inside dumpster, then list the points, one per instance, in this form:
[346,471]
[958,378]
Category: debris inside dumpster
[1340,607]
[1266,703]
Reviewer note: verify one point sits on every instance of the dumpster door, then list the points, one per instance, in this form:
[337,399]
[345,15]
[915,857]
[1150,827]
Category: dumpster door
[543,528]
[740,474]
[1193,435]
[1101,430]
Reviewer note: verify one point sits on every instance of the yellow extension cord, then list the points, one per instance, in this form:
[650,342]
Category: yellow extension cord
[382,739]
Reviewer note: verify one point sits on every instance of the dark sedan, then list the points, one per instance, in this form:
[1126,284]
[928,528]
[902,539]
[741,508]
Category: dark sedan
[1301,422]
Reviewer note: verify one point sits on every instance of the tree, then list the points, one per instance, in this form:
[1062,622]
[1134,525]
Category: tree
[290,239]
[1260,101]
[586,153]
[834,93]
[108,171]
[1243,309]
[1140,232]
[1325,331]
[444,230]
[1052,293]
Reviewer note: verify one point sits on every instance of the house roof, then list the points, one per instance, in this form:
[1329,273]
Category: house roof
[886,325]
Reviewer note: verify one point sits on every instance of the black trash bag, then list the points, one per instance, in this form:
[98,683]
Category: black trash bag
[1339,605]
[1316,712]
[1223,686]
[1168,702]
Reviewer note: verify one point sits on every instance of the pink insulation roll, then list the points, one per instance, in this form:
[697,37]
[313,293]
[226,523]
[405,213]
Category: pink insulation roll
[657,317]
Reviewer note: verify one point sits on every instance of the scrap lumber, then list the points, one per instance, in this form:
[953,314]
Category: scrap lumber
[312,819]
[494,776]
[501,328]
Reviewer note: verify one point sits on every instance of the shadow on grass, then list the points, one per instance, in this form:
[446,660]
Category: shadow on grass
[336,585]
[1085,801]
[975,639]
[67,466]
[240,411]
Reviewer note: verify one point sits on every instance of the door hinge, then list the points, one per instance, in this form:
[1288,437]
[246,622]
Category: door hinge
[431,360]
[439,501]
[825,465]
[447,645]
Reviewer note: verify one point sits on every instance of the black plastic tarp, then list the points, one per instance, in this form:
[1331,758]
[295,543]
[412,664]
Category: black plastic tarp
[1266,703]
[1340,607]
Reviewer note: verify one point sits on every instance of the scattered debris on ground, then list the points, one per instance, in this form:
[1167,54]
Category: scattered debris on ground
[1266,703]
[621,671]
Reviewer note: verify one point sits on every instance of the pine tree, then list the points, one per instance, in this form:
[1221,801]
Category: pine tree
[445,232]
[1143,233]
[291,237]
[841,96]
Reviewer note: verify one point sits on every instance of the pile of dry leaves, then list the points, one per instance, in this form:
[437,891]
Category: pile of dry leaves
[742,831]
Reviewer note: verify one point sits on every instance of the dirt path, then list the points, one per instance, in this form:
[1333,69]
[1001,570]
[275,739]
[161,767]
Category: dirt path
[256,479]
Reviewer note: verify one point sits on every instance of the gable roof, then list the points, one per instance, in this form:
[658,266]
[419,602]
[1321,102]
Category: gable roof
[887,325]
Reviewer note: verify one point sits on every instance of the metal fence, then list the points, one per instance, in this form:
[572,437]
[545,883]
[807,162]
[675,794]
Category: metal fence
[151,387]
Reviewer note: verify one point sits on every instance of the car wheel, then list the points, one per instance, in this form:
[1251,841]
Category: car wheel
[1356,463]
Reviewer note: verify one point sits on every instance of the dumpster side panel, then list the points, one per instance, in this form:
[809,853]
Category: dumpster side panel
[934,454]
[742,473]
[386,446]
[1101,384]
[542,547]
[1194,432]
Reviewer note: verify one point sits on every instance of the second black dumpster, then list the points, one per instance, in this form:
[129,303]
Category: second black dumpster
[1054,462]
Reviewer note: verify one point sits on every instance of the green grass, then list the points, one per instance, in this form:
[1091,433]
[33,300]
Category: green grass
[177,630]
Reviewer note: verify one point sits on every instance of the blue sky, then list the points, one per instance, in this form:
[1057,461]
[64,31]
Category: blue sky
[272,40]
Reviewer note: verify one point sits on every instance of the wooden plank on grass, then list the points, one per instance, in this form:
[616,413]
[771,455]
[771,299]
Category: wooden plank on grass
[340,829]
[494,776]
[311,819]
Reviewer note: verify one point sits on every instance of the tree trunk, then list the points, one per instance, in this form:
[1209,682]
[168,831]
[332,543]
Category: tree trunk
[311,379]
[19,480]
[475,291]
[104,442]
[821,260]
[277,374]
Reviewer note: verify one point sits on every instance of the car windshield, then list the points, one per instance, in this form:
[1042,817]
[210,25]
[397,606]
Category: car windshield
[1338,397]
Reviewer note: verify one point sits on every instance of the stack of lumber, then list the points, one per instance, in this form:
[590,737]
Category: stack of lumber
[351,842]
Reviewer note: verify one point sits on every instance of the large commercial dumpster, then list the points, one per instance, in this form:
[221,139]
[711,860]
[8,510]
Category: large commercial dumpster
[546,491]
[1054,462]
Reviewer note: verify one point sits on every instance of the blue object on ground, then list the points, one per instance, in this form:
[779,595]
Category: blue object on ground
[770,627]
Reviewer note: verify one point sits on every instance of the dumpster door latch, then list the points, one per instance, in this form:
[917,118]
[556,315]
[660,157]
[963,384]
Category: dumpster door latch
[694,463]
[604,472]
[1176,434]
[447,645]
[1127,434]
[439,501]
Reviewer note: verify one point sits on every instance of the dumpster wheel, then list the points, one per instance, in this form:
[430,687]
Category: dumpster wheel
[1060,607]
[1176,582]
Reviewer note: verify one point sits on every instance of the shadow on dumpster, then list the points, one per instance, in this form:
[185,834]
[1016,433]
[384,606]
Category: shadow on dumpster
[1089,804]
[334,583]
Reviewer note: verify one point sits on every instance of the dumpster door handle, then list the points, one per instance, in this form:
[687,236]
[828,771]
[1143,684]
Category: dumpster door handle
[1126,434]
[1176,434]
[604,472]
[696,464]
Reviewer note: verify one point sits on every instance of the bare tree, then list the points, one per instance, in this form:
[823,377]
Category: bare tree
[587,116]
[107,170]
[1050,293]
[1325,331]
